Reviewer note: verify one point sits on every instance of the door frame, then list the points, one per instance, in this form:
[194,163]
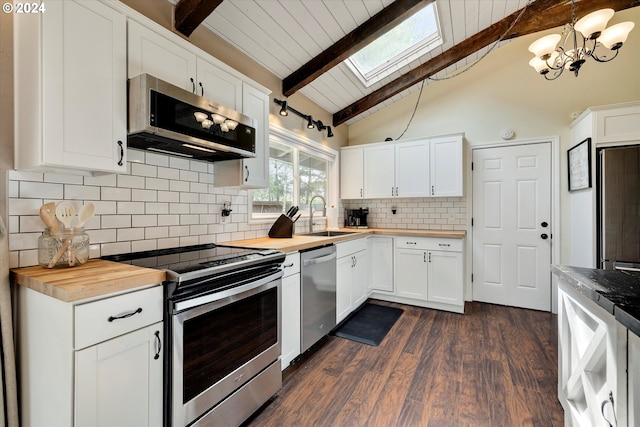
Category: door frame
[555,208]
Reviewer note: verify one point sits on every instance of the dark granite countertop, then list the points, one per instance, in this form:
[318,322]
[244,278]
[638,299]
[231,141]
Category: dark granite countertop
[615,291]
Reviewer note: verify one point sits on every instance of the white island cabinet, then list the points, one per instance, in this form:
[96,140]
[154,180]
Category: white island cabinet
[94,362]
[71,88]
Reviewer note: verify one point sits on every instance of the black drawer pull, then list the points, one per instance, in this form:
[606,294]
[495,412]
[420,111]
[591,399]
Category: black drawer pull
[124,316]
[158,347]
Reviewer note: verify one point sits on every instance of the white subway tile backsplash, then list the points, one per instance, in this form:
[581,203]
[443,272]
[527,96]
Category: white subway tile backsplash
[25,176]
[157,184]
[178,208]
[156,232]
[34,190]
[130,181]
[102,236]
[135,156]
[156,159]
[169,243]
[24,206]
[144,195]
[178,186]
[168,173]
[107,180]
[198,166]
[144,245]
[81,192]
[59,178]
[145,170]
[157,208]
[115,248]
[178,163]
[127,234]
[169,196]
[115,221]
[23,241]
[186,175]
[134,208]
[30,224]
[114,193]
[168,220]
[189,198]
[182,230]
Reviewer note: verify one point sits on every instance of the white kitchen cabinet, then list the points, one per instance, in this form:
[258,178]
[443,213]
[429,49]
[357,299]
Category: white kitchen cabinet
[633,377]
[117,381]
[71,88]
[250,172]
[381,261]
[219,85]
[290,343]
[411,168]
[379,171]
[352,173]
[351,277]
[428,273]
[592,361]
[80,368]
[446,166]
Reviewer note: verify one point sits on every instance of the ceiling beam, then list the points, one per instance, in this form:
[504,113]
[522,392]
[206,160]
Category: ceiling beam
[377,25]
[190,13]
[538,16]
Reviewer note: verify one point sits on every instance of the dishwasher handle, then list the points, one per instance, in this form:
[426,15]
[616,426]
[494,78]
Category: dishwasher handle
[319,260]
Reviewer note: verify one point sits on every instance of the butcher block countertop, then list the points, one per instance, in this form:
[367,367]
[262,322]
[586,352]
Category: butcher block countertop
[94,278]
[300,241]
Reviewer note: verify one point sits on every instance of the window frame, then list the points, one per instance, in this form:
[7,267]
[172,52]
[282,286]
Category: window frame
[299,143]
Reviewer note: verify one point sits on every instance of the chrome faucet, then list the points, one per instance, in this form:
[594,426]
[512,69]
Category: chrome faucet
[324,211]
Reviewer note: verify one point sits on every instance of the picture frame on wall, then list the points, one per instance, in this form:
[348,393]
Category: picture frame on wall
[579,165]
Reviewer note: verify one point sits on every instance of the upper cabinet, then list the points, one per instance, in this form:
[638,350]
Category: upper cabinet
[70,88]
[414,168]
[175,61]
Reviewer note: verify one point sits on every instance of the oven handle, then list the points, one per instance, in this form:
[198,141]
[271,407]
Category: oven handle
[215,296]
[319,260]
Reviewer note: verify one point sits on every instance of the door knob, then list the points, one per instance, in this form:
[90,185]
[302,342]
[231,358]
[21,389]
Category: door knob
[544,224]
[544,236]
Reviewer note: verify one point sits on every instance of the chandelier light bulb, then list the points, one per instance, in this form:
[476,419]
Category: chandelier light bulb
[539,65]
[224,127]
[593,24]
[217,118]
[206,123]
[614,36]
[200,116]
[231,124]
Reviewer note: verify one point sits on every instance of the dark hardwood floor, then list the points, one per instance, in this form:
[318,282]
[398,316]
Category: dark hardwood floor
[492,366]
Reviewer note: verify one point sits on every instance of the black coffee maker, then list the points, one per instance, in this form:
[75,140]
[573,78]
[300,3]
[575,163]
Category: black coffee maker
[356,218]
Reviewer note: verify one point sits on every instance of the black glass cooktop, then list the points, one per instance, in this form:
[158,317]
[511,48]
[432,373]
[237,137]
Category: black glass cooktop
[188,262]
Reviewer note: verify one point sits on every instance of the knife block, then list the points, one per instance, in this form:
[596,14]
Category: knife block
[282,228]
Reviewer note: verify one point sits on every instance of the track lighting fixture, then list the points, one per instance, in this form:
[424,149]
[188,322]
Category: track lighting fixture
[284,111]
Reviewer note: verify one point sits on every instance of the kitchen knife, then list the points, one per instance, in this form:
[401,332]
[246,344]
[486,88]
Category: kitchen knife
[299,215]
[290,212]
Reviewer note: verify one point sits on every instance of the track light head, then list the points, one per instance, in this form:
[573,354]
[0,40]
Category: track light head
[283,110]
[329,133]
[310,124]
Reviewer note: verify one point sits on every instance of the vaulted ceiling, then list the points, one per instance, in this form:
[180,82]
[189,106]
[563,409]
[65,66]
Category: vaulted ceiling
[304,42]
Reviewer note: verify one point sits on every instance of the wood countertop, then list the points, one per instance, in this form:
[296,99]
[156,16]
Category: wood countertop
[300,241]
[94,278]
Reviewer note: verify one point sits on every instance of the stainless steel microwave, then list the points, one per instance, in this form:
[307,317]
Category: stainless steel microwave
[167,119]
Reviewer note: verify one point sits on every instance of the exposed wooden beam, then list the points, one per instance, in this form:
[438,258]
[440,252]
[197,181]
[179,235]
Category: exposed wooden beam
[538,16]
[190,13]
[377,25]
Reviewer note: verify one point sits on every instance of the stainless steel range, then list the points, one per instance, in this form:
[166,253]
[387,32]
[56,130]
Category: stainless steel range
[222,324]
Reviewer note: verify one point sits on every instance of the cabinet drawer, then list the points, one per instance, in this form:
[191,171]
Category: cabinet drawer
[429,243]
[104,319]
[291,264]
[350,247]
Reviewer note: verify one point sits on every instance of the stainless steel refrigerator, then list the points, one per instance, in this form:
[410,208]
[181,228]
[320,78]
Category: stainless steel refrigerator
[619,208]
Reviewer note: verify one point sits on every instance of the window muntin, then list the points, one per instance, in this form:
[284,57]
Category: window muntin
[278,197]
[406,42]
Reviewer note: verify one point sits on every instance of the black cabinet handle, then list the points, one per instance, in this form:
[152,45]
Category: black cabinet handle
[201,89]
[613,408]
[121,153]
[124,316]
[544,236]
[246,168]
[193,85]
[158,347]
[544,224]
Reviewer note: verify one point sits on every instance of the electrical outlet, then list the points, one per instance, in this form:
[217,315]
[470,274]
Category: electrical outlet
[223,219]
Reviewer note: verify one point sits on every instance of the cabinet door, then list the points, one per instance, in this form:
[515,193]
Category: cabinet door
[344,277]
[411,273]
[446,166]
[634,379]
[119,382]
[352,173]
[445,277]
[380,251]
[412,169]
[255,104]
[359,279]
[379,181]
[151,53]
[290,319]
[218,85]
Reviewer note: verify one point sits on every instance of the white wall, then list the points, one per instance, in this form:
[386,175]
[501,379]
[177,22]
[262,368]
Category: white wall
[503,91]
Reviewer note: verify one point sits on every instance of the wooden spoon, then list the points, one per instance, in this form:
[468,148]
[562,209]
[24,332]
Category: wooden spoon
[85,213]
[48,216]
[65,212]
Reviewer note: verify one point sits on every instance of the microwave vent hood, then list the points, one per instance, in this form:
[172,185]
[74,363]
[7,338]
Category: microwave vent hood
[164,118]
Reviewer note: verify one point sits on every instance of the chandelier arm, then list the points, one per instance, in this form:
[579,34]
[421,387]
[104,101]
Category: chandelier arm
[556,74]
[604,59]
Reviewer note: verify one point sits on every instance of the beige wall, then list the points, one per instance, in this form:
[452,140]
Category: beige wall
[503,91]
[162,13]
[6,106]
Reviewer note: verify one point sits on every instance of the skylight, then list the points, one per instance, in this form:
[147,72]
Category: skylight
[406,42]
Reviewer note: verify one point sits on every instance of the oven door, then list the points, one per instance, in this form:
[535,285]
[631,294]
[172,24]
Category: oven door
[222,341]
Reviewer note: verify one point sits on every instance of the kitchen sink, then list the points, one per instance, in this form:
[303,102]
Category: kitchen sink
[329,233]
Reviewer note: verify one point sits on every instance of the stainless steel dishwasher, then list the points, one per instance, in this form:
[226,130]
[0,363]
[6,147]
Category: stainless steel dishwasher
[318,315]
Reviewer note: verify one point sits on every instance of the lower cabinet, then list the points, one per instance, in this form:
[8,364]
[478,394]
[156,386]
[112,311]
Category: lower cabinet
[290,332]
[592,362]
[116,378]
[428,272]
[351,281]
[90,363]
[633,375]
[381,261]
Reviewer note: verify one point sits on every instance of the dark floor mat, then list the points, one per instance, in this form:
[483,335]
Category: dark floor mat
[370,324]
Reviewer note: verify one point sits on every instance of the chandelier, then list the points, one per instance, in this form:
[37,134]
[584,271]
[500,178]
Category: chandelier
[581,40]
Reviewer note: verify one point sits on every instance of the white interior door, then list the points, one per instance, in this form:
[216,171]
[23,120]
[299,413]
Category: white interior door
[511,230]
